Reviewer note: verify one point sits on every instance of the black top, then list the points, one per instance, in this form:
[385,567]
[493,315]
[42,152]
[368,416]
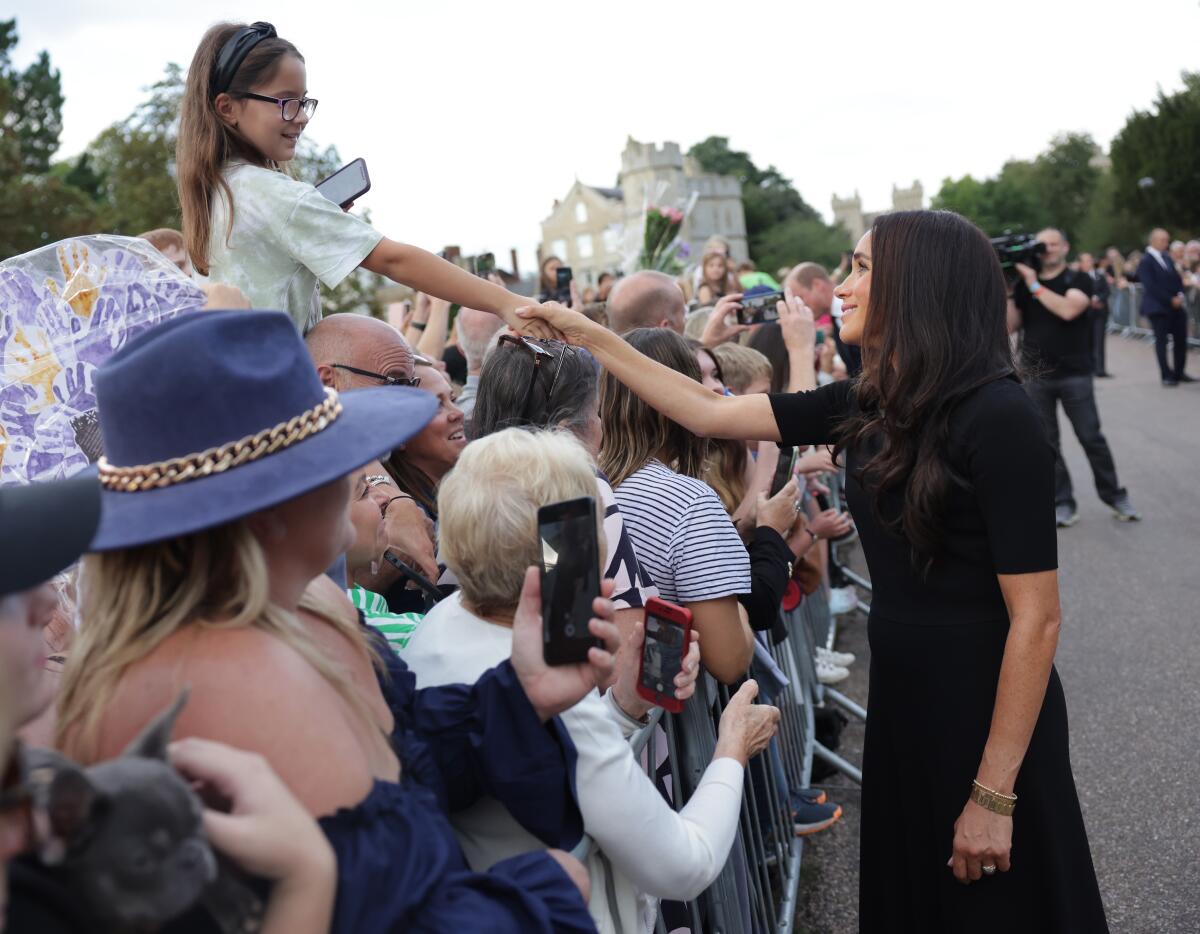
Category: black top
[1003,524]
[1051,346]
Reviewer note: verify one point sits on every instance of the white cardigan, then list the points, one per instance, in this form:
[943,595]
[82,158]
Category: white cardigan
[652,850]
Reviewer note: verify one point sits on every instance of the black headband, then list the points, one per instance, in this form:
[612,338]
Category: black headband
[234,52]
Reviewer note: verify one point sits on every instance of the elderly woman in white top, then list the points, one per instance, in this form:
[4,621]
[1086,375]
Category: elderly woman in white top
[488,507]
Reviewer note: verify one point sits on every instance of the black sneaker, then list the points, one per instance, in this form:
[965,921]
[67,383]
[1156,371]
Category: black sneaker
[1170,383]
[1065,516]
[1123,509]
[1184,378]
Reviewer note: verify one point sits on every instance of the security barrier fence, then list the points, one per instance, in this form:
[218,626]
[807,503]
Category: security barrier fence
[1124,313]
[757,890]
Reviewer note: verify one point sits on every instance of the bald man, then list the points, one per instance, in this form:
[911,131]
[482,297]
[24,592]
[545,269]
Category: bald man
[357,352]
[646,299]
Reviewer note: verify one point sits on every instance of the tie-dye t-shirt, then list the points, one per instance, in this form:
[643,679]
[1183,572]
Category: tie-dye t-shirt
[285,237]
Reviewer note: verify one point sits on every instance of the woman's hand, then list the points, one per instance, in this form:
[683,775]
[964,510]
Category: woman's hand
[570,326]
[745,727]
[551,689]
[779,512]
[817,461]
[981,838]
[409,535]
[718,330]
[267,831]
[629,661]
[799,330]
[830,524]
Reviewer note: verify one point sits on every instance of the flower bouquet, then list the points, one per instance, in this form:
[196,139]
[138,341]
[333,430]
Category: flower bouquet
[64,310]
[660,242]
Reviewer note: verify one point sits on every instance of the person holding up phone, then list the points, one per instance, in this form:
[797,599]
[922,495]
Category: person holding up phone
[247,223]
[643,846]
[950,479]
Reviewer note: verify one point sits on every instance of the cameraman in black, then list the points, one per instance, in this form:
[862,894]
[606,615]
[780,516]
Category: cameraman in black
[1050,309]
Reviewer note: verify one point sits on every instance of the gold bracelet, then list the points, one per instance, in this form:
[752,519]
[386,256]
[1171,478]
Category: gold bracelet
[995,801]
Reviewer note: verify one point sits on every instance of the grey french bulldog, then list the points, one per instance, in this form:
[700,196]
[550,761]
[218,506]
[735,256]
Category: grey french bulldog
[127,835]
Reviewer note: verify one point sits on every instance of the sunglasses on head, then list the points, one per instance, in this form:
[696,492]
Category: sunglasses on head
[540,354]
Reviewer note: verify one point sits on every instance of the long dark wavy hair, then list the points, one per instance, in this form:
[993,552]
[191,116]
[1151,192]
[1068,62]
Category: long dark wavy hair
[936,331]
[511,395]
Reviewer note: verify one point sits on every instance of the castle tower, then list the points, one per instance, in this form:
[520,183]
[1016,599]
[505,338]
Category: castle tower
[908,199]
[849,213]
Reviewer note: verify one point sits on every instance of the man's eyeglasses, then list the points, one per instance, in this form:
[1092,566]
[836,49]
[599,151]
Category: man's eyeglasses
[540,354]
[386,380]
[289,107]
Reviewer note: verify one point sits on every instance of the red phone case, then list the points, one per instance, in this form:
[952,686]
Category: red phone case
[683,618]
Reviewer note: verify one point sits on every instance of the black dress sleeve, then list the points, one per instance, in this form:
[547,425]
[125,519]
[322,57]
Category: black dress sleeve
[770,569]
[811,417]
[1010,465]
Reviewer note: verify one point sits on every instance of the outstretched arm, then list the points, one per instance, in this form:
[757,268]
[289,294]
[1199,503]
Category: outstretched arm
[675,395]
[424,272]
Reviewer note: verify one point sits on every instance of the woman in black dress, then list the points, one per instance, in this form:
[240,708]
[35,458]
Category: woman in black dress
[970,820]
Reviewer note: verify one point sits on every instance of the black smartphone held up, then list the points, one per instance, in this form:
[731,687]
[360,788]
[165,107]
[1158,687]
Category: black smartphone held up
[570,578]
[562,285]
[759,309]
[347,184]
[785,469]
[668,635]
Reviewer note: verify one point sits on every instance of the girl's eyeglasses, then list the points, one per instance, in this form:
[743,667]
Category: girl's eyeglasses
[289,107]
[539,354]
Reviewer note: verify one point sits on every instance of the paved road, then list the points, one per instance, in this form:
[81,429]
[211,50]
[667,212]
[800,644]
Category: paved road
[1129,659]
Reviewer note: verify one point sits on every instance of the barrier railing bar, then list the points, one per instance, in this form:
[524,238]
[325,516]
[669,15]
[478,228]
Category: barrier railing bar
[848,769]
[846,703]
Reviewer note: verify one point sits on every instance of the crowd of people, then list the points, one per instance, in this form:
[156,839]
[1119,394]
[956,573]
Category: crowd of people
[325,531]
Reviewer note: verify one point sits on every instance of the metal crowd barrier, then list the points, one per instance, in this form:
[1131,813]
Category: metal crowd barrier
[757,889]
[1125,318]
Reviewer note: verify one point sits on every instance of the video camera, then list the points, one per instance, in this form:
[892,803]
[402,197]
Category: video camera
[1019,248]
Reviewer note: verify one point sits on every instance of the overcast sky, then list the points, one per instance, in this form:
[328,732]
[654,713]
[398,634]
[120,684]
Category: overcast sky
[474,116]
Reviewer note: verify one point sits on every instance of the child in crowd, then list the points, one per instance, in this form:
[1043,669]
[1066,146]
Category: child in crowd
[248,223]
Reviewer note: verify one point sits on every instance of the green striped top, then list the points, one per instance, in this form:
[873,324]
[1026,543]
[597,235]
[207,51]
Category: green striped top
[397,628]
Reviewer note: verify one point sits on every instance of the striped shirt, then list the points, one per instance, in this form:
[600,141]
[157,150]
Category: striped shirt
[683,535]
[397,628]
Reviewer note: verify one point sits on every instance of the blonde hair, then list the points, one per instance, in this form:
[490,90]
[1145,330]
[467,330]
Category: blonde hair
[206,143]
[741,366]
[133,600]
[725,471]
[488,504]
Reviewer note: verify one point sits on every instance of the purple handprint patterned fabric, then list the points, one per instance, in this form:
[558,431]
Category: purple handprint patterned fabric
[64,310]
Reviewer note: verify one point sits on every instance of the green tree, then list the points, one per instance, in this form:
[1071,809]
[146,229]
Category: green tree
[1066,178]
[781,227]
[35,208]
[1156,161]
[134,162]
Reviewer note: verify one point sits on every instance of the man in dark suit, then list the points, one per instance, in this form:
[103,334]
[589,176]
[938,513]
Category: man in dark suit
[1098,312]
[1162,303]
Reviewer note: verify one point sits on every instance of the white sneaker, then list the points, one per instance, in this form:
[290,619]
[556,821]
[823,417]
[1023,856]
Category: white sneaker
[842,599]
[828,673]
[843,659]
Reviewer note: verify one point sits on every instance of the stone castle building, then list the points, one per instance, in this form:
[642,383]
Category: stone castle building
[594,229]
[849,213]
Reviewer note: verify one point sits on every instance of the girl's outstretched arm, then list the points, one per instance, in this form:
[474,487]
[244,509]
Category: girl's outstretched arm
[425,272]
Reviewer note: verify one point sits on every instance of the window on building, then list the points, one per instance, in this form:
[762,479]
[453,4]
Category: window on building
[559,248]
[612,239]
[583,246]
[581,214]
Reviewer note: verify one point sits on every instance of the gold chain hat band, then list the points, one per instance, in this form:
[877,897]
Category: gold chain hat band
[226,456]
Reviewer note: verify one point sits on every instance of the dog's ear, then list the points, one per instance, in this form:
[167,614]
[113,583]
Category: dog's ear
[64,802]
[152,742]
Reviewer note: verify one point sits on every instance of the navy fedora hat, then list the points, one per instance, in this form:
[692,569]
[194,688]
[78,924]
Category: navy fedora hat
[214,415]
